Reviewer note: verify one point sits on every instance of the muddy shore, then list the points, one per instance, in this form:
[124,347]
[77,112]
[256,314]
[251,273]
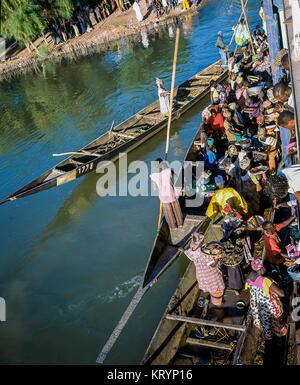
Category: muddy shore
[107,35]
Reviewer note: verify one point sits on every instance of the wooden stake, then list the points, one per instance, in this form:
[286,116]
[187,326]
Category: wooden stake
[172,92]
[170,112]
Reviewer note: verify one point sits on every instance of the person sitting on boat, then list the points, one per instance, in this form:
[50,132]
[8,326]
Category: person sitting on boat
[288,182]
[241,93]
[226,197]
[208,273]
[209,156]
[237,116]
[216,122]
[245,182]
[167,194]
[283,93]
[228,126]
[214,95]
[286,119]
[231,222]
[164,101]
[265,305]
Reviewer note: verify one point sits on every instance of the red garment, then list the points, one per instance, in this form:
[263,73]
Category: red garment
[273,246]
[216,123]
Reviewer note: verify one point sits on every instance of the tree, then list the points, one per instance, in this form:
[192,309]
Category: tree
[24,20]
[21,19]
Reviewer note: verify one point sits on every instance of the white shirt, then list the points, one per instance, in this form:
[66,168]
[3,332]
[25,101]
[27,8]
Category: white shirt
[291,103]
[137,9]
[292,174]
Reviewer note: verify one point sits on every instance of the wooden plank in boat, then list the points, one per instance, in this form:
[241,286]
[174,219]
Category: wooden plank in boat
[122,135]
[179,236]
[200,321]
[208,344]
[194,88]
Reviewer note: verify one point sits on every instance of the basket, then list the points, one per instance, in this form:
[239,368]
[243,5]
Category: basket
[293,275]
[213,249]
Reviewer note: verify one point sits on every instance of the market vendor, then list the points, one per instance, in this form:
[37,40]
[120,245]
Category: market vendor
[226,197]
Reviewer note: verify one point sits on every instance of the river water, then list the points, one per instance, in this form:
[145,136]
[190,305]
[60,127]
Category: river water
[70,260]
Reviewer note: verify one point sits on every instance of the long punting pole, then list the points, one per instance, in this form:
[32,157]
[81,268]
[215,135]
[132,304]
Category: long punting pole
[142,290]
[170,112]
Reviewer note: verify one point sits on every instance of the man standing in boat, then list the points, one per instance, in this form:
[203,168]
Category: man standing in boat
[222,49]
[164,101]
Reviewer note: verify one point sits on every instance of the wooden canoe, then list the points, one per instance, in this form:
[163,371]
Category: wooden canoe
[125,137]
[164,252]
[176,340]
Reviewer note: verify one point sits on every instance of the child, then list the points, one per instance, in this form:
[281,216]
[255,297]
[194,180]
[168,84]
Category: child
[214,95]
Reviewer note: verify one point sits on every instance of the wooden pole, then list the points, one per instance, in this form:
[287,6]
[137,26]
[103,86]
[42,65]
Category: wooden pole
[172,92]
[170,112]
[247,24]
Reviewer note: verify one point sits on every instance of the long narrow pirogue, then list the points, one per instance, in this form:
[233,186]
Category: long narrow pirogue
[176,340]
[125,137]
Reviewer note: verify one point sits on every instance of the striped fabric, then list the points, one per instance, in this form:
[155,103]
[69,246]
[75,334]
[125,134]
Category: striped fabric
[173,214]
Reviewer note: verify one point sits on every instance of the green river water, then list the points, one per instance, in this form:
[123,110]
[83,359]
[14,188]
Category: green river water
[70,260]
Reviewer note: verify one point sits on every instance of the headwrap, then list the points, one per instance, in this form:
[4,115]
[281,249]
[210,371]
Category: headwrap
[279,56]
[245,143]
[219,87]
[256,264]
[159,82]
[232,150]
[244,161]
[219,179]
[197,239]
[239,79]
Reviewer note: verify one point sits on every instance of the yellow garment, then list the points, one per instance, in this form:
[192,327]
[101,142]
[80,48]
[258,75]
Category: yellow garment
[185,4]
[262,15]
[230,137]
[267,283]
[226,196]
[215,92]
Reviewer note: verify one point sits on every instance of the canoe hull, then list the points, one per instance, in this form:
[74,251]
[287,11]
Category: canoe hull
[69,169]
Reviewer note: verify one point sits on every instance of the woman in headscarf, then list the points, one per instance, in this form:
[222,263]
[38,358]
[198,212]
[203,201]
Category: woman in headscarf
[208,273]
[164,101]
[226,197]
[265,304]
[245,182]
[167,194]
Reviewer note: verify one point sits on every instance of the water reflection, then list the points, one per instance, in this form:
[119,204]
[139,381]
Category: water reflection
[70,260]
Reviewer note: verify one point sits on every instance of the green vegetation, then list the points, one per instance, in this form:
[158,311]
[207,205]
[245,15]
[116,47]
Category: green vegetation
[24,20]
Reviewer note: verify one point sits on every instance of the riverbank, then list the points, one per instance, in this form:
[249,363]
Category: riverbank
[105,36]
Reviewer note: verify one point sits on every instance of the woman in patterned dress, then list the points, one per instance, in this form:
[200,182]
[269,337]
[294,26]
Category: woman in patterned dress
[265,304]
[209,276]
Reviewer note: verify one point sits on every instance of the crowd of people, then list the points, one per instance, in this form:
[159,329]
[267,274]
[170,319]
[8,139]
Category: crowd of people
[83,20]
[86,17]
[247,131]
